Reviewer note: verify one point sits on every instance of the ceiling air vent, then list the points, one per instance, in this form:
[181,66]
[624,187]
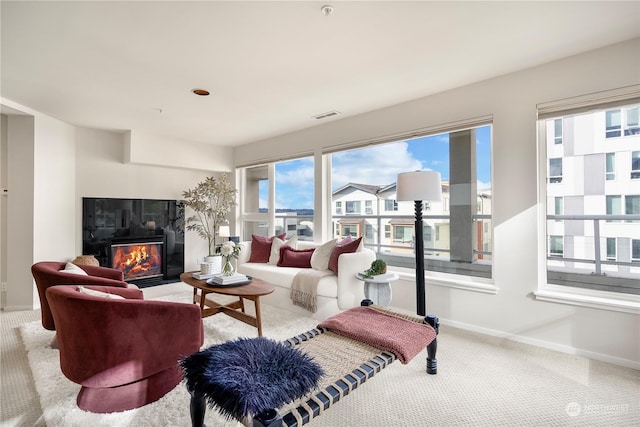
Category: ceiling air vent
[325,115]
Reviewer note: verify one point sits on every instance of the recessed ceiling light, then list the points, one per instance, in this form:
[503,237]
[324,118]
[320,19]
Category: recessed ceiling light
[200,92]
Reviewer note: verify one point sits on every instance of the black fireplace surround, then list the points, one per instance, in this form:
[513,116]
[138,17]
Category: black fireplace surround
[109,223]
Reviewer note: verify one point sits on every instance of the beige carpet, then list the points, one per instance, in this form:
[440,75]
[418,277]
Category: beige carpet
[482,381]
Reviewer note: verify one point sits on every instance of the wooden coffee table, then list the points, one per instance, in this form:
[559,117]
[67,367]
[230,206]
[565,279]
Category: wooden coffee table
[208,307]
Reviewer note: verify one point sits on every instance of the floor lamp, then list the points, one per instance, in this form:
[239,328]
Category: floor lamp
[419,186]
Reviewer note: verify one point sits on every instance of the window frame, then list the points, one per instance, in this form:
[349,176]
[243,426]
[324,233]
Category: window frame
[556,241]
[610,166]
[635,164]
[558,130]
[598,292]
[612,248]
[557,178]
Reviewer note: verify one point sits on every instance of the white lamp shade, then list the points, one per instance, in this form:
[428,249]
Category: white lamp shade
[419,185]
[223,231]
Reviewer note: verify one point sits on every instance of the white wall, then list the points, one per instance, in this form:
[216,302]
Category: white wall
[19,208]
[40,214]
[147,149]
[511,100]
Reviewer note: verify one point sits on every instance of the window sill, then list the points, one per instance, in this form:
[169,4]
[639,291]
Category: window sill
[590,298]
[466,283]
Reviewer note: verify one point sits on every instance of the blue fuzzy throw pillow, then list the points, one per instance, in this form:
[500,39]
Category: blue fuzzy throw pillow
[250,375]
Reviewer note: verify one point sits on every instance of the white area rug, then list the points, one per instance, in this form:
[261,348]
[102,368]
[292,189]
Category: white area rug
[482,381]
[58,394]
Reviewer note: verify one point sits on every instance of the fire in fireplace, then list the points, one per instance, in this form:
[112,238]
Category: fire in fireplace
[138,260]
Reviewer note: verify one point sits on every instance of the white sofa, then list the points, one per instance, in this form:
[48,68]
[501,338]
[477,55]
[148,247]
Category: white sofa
[335,292]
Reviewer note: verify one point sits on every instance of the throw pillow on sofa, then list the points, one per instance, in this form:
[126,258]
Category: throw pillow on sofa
[290,257]
[344,247]
[261,247]
[320,257]
[278,243]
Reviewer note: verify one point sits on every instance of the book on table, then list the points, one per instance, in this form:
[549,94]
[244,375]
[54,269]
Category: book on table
[227,280]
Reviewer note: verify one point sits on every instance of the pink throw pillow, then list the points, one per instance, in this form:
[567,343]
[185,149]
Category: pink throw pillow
[261,247]
[290,257]
[343,247]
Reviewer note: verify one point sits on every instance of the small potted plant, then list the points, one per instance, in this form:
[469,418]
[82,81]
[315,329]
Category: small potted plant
[377,267]
[211,200]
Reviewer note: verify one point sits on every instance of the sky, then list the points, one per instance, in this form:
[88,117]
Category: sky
[376,165]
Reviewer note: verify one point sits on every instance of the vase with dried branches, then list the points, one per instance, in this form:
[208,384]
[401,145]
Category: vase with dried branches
[211,201]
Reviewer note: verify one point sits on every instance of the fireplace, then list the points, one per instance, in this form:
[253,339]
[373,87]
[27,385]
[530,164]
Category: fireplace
[140,237]
[138,260]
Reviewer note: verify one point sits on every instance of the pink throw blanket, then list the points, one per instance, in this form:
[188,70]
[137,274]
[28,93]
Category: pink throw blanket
[401,337]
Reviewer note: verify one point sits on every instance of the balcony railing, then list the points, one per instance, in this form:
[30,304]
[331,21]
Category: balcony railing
[589,269]
[400,253]
[598,260]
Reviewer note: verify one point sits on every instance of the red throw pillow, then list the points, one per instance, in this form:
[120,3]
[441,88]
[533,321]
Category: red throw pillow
[261,247]
[342,247]
[290,257]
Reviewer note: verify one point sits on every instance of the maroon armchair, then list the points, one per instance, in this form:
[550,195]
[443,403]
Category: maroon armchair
[47,273]
[124,352]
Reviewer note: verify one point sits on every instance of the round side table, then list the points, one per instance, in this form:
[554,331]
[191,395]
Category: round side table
[378,288]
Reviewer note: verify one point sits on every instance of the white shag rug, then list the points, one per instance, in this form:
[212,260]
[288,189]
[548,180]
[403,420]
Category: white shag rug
[58,394]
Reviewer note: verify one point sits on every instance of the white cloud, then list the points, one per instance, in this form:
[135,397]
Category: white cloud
[483,186]
[377,165]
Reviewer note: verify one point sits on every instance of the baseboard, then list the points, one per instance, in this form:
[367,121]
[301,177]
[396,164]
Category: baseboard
[18,308]
[545,344]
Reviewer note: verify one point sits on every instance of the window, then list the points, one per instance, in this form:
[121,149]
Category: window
[427,232]
[555,170]
[635,250]
[363,199]
[402,234]
[390,205]
[611,248]
[368,231]
[629,116]
[286,186]
[591,247]
[353,207]
[632,122]
[557,131]
[558,206]
[632,206]
[350,230]
[610,167]
[467,223]
[635,165]
[614,123]
[255,199]
[556,246]
[614,206]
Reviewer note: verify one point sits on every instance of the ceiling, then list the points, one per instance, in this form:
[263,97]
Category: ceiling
[272,66]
